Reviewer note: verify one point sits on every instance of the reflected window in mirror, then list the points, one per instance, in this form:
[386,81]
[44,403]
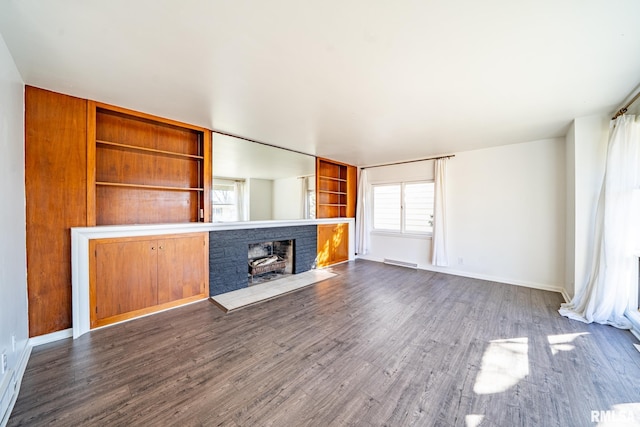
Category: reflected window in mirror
[228,199]
[277,184]
[309,196]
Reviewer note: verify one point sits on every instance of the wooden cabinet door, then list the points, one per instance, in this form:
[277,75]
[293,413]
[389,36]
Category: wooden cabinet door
[340,241]
[125,276]
[325,253]
[181,267]
[333,244]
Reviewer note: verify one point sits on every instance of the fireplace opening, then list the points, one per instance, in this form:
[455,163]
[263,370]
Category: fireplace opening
[268,261]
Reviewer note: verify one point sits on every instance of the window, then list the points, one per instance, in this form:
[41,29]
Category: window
[405,207]
[227,199]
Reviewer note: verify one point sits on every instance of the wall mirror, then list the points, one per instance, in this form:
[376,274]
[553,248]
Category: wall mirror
[259,182]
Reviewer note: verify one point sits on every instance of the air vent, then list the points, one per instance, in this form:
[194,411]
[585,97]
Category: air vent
[400,263]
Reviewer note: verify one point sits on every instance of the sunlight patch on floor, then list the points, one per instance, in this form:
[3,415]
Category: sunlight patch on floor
[504,364]
[563,342]
[473,420]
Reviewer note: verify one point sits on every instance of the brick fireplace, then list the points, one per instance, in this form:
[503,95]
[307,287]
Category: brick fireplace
[228,253]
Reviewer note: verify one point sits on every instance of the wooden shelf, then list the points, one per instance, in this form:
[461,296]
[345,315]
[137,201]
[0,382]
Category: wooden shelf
[341,193]
[330,178]
[148,187]
[148,150]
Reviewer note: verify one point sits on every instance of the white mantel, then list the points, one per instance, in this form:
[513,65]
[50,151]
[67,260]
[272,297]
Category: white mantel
[80,237]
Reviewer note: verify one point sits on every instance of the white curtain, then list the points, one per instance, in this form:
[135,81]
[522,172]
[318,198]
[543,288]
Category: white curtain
[439,241]
[362,215]
[613,280]
[241,204]
[304,188]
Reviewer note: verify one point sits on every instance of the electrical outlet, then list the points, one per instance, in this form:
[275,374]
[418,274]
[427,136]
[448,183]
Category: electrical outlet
[13,342]
[3,363]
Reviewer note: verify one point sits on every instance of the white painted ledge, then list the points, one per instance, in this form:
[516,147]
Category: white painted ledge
[80,237]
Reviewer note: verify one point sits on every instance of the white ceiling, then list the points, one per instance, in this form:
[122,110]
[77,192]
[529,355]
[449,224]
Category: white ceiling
[360,81]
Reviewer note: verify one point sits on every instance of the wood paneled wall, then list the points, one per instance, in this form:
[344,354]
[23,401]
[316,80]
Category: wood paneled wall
[56,200]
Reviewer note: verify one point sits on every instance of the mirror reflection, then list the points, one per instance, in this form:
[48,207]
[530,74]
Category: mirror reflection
[257,182]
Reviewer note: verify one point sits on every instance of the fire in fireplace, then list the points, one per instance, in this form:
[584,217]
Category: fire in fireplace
[269,260]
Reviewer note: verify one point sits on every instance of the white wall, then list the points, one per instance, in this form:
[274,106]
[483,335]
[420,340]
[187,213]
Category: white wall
[506,215]
[586,171]
[14,318]
[287,198]
[260,199]
[414,249]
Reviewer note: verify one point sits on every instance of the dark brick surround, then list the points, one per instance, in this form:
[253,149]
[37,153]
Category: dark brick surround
[228,253]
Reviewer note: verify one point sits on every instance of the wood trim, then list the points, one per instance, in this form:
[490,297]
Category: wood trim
[205,254]
[93,300]
[207,175]
[149,117]
[91,163]
[318,187]
[324,159]
[352,190]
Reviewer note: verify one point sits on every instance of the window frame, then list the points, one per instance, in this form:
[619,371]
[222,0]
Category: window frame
[402,232]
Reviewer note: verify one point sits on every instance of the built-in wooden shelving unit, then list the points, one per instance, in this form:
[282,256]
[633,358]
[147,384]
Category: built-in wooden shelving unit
[335,189]
[146,169]
[335,198]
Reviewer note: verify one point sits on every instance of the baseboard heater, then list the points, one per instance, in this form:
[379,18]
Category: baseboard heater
[400,263]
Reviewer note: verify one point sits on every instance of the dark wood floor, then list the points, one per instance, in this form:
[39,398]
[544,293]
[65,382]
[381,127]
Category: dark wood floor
[376,345]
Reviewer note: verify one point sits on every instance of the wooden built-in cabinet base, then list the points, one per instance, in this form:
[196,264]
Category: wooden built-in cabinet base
[134,276]
[333,244]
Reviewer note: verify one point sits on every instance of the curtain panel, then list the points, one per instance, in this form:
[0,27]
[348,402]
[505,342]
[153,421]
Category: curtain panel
[439,241]
[612,283]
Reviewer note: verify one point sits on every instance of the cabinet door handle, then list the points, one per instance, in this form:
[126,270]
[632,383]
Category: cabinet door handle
[161,248]
[153,248]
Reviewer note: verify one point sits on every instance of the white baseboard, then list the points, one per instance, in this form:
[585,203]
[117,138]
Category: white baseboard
[9,389]
[532,285]
[634,318]
[47,338]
